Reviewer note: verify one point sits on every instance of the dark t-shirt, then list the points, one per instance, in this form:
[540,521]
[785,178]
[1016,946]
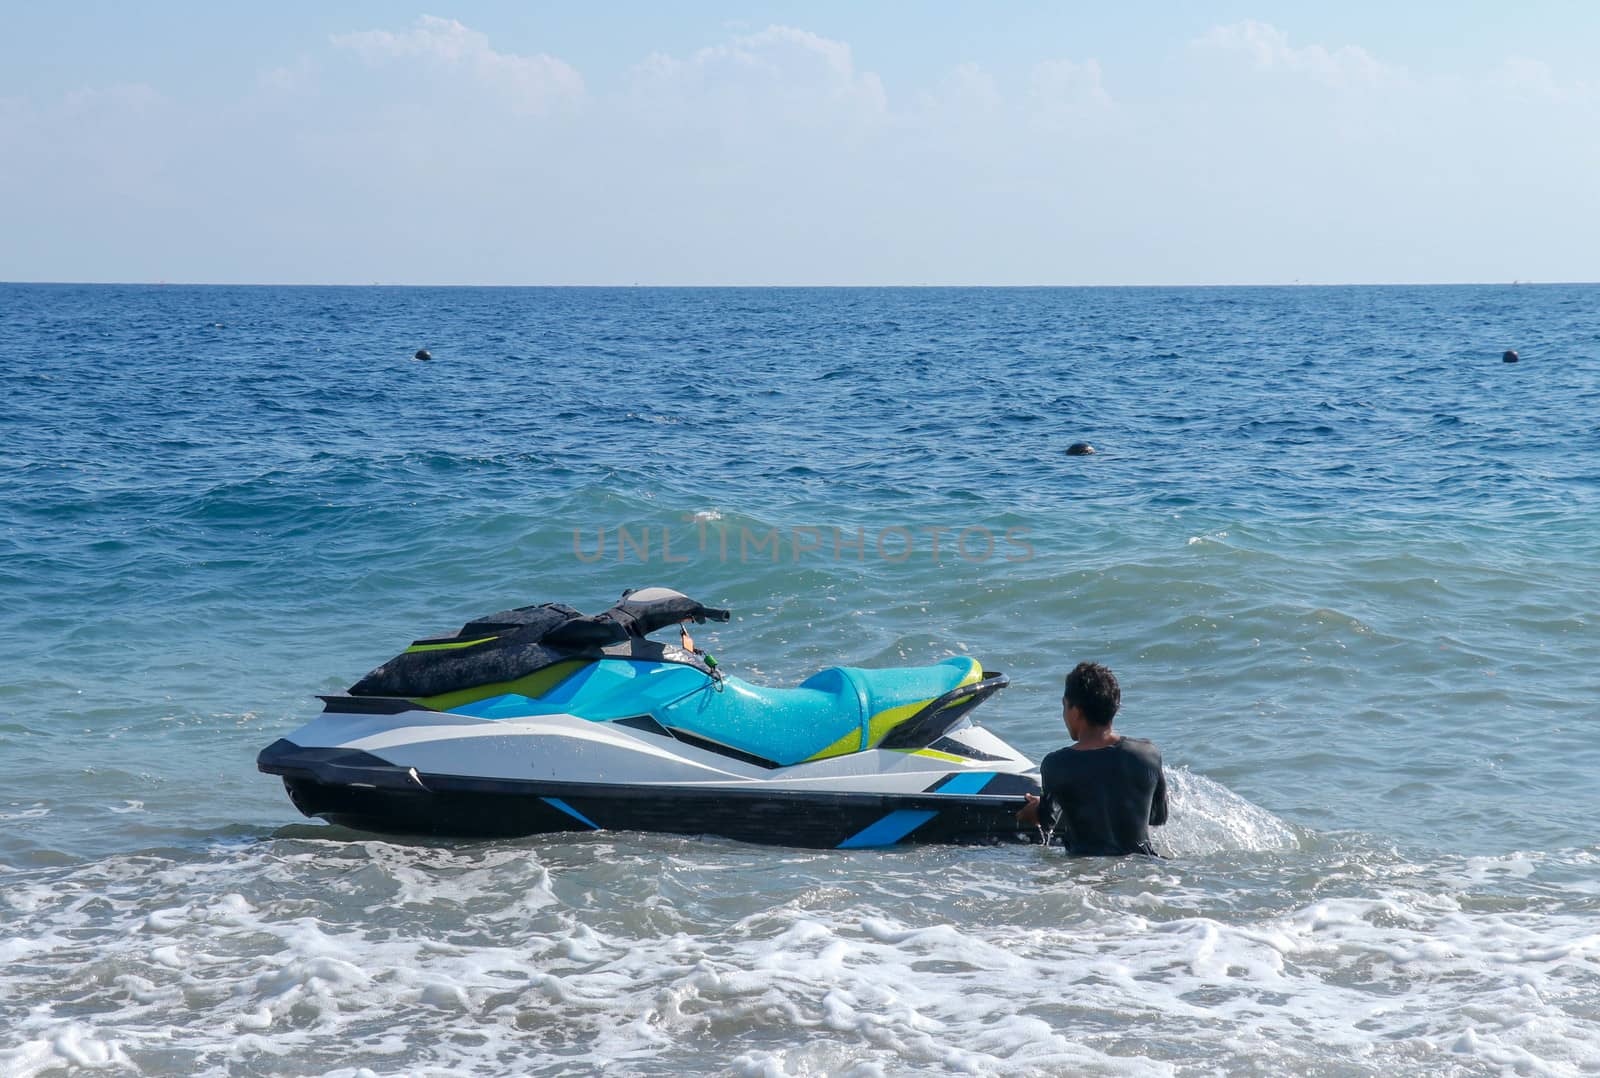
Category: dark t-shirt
[1103,801]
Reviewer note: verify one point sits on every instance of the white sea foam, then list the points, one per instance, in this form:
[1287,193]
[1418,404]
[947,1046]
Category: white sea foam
[368,957]
[1206,817]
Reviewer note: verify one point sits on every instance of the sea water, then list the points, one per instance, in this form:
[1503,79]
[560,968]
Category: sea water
[1345,561]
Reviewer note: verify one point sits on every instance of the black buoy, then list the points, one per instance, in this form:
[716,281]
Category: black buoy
[423,353]
[1509,357]
[1079,449]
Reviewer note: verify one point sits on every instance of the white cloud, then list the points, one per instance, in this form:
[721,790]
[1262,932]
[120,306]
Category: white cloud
[775,156]
[288,79]
[786,76]
[965,112]
[1268,49]
[971,87]
[1520,77]
[534,83]
[1067,91]
[1070,82]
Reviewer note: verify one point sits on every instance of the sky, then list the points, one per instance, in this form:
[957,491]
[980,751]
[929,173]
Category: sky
[823,143]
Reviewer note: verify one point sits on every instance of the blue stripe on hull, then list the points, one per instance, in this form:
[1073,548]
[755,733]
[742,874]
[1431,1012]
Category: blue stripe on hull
[969,783]
[556,802]
[889,830]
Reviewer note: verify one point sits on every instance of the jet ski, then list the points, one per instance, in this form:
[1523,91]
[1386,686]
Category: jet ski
[541,719]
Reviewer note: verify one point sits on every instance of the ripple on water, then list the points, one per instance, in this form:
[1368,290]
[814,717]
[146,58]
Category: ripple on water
[1342,565]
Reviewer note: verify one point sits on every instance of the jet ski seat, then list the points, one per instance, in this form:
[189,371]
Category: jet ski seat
[836,711]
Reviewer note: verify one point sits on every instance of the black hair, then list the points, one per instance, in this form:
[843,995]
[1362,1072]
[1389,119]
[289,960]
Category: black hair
[1093,690]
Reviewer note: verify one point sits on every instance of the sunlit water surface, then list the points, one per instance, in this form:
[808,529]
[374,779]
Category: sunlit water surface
[1343,558]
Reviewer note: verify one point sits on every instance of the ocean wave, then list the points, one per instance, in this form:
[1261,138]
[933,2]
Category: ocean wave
[619,951]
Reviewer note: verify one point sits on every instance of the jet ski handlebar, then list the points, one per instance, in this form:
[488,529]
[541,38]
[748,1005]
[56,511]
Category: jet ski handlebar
[643,611]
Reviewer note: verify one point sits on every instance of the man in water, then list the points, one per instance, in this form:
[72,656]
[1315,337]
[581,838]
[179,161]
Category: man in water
[1103,792]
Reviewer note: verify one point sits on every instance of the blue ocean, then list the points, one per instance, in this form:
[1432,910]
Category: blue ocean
[1345,561]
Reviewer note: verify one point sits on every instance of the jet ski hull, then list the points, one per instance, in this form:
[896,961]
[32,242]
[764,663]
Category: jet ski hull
[823,821]
[878,798]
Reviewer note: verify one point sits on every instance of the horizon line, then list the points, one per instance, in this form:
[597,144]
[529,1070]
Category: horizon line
[775,287]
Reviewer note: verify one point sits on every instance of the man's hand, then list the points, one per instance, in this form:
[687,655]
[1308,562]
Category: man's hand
[1028,815]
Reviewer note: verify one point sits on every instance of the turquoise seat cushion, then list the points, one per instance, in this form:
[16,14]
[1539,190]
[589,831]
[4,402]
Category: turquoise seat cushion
[830,713]
[781,725]
[906,685]
[831,710]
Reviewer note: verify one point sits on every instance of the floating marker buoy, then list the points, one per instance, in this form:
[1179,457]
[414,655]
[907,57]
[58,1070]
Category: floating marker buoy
[1509,357]
[1079,449]
[423,353]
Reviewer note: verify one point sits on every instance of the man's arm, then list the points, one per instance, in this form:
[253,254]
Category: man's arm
[1040,810]
[1028,815]
[1158,803]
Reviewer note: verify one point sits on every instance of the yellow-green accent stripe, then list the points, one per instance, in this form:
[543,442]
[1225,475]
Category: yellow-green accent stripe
[449,645]
[846,744]
[935,754]
[879,725]
[532,686]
